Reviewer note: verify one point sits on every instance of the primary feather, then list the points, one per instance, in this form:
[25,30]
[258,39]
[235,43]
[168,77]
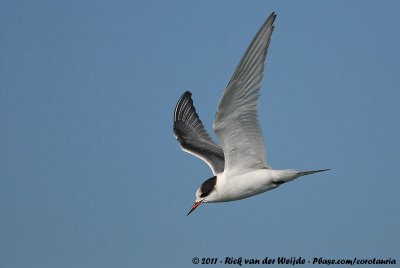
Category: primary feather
[236,121]
[193,137]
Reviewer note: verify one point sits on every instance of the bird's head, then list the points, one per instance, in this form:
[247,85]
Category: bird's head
[205,191]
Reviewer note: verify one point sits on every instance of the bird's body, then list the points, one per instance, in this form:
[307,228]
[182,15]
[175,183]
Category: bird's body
[258,181]
[240,167]
[230,188]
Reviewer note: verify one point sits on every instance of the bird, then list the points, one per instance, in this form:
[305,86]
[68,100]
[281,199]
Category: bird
[239,164]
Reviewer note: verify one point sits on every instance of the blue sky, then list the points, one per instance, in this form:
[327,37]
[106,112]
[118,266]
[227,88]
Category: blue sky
[91,175]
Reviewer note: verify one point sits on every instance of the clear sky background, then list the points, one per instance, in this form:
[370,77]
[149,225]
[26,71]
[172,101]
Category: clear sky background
[92,176]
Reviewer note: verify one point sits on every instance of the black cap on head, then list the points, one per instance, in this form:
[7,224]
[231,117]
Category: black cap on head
[208,186]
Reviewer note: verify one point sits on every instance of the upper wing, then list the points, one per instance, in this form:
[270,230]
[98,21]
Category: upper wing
[236,122]
[192,136]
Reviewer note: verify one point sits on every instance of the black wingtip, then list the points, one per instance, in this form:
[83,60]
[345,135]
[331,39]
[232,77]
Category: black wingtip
[272,15]
[185,97]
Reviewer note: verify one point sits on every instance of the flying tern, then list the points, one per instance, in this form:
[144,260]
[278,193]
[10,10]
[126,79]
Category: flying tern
[239,164]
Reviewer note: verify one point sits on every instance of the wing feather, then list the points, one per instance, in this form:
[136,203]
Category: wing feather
[193,137]
[236,121]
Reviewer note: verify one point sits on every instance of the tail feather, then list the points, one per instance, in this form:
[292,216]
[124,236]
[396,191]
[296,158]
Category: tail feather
[303,173]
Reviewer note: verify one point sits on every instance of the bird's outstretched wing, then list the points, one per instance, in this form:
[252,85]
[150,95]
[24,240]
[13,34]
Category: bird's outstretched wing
[236,121]
[192,136]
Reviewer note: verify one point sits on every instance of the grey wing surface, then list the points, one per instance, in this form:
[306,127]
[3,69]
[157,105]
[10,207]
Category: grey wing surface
[236,121]
[192,136]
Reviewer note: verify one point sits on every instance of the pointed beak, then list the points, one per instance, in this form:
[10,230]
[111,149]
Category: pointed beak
[196,204]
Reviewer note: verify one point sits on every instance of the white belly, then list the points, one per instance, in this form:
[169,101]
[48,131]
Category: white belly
[243,186]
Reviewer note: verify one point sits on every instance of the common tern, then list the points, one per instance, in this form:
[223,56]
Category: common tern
[239,166]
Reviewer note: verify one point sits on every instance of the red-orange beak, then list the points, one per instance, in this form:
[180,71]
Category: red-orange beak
[196,204]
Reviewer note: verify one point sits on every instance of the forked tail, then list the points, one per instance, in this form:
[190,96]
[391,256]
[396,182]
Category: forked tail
[303,173]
